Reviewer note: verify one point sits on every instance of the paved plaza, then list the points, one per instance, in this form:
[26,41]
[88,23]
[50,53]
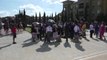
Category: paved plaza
[89,49]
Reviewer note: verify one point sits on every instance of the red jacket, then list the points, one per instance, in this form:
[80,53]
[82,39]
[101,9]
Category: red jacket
[13,29]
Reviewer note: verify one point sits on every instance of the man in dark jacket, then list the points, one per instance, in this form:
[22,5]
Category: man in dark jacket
[66,30]
[71,30]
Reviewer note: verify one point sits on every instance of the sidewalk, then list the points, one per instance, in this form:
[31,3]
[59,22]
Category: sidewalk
[27,50]
[98,57]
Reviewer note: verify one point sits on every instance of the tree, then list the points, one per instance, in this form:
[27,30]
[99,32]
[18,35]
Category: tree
[33,19]
[39,17]
[101,17]
[36,17]
[106,19]
[65,16]
[55,18]
[47,18]
[24,19]
[62,16]
[44,17]
[52,16]
[58,18]
[86,11]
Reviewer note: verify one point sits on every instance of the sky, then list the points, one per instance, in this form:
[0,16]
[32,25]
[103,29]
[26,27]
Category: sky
[12,7]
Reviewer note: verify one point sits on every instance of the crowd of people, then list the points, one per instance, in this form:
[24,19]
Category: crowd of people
[10,27]
[73,30]
[52,31]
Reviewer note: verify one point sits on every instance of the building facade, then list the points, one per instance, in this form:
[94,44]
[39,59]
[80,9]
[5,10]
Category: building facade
[68,10]
[90,9]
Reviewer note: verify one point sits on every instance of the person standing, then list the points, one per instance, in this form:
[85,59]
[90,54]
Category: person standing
[48,33]
[55,33]
[91,30]
[76,32]
[66,31]
[41,31]
[60,28]
[38,32]
[13,30]
[6,26]
[102,30]
[96,29]
[20,27]
[83,28]
[71,30]
[0,27]
[34,32]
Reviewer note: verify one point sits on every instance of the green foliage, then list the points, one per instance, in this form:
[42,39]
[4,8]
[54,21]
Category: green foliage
[39,17]
[44,17]
[28,29]
[101,17]
[36,17]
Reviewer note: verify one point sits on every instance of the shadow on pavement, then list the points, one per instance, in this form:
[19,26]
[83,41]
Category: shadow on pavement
[44,48]
[87,39]
[29,43]
[5,35]
[28,40]
[72,40]
[66,44]
[105,40]
[55,43]
[95,39]
[79,47]
[5,46]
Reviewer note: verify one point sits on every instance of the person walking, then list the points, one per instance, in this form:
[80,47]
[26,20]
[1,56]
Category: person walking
[91,30]
[66,31]
[102,30]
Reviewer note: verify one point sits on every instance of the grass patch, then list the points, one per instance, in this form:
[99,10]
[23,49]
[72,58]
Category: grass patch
[28,29]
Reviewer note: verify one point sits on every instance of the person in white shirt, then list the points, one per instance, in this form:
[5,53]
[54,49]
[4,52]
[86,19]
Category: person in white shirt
[76,29]
[91,30]
[76,33]
[49,31]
